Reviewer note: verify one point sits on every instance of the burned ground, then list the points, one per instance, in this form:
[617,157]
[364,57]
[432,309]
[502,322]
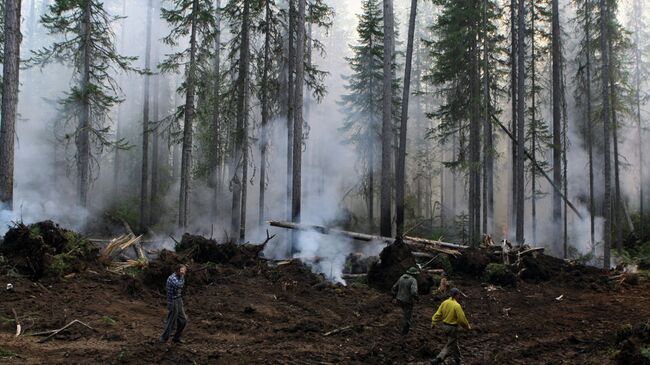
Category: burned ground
[260,313]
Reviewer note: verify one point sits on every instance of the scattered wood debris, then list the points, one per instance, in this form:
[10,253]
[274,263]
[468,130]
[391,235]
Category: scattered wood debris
[55,332]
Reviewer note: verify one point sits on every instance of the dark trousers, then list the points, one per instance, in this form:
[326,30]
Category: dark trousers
[451,348]
[175,318]
[407,312]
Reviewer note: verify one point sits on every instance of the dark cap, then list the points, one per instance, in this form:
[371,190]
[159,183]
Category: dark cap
[454,292]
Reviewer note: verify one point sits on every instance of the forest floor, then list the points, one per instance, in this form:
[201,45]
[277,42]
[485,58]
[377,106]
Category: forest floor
[246,310]
[279,315]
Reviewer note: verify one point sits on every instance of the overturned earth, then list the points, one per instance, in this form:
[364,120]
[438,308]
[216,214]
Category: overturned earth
[244,309]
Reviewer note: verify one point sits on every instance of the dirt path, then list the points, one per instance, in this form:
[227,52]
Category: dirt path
[259,316]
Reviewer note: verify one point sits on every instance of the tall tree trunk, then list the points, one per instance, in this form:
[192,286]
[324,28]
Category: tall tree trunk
[637,9]
[521,103]
[10,78]
[241,134]
[144,177]
[557,111]
[385,215]
[590,132]
[618,203]
[370,199]
[513,97]
[607,200]
[290,104]
[265,110]
[155,150]
[400,175]
[474,201]
[488,154]
[186,159]
[216,158]
[533,123]
[565,162]
[83,131]
[296,182]
[119,133]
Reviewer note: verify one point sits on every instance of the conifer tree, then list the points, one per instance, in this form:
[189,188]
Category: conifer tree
[193,18]
[87,44]
[363,103]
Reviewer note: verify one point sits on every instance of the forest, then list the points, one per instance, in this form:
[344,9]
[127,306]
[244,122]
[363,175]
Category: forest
[299,156]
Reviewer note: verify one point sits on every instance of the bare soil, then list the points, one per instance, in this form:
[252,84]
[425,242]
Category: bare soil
[258,314]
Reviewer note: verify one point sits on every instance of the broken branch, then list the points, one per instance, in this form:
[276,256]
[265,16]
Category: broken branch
[541,170]
[56,332]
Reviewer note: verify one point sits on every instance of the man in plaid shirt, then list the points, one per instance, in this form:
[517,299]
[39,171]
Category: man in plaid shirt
[176,312]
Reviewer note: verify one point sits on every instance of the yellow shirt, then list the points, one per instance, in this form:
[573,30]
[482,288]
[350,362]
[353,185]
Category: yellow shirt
[450,312]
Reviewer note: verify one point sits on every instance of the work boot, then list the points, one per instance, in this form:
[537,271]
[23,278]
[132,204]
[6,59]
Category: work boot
[162,339]
[435,361]
[178,340]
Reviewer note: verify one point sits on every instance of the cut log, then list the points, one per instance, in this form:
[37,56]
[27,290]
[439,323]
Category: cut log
[417,244]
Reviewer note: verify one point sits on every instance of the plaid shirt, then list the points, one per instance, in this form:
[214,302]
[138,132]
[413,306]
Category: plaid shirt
[174,287]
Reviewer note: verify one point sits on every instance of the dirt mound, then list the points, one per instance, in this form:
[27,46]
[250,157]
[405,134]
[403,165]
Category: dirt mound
[473,261]
[539,268]
[203,250]
[156,273]
[634,345]
[44,248]
[356,263]
[393,262]
[500,274]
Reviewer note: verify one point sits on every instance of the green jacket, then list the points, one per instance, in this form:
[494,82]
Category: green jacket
[405,289]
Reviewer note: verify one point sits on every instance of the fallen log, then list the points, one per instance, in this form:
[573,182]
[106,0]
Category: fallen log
[419,244]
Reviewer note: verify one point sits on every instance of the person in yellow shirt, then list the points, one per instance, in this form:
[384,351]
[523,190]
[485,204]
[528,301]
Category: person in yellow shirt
[451,314]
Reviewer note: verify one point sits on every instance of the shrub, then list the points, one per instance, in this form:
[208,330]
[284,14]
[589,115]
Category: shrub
[500,274]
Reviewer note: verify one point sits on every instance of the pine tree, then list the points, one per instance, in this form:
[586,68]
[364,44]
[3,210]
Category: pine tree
[296,181]
[537,134]
[363,103]
[520,136]
[88,46]
[145,201]
[268,87]
[459,63]
[400,177]
[606,115]
[641,52]
[196,19]
[10,70]
[385,221]
[240,15]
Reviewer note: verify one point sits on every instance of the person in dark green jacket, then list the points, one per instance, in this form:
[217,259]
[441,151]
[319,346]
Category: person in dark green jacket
[405,291]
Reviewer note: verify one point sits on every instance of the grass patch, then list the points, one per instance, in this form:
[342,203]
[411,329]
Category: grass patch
[645,352]
[108,320]
[5,353]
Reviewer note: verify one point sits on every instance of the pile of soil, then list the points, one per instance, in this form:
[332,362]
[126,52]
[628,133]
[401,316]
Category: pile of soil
[203,250]
[473,261]
[535,268]
[633,343]
[394,260]
[355,263]
[156,273]
[44,248]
